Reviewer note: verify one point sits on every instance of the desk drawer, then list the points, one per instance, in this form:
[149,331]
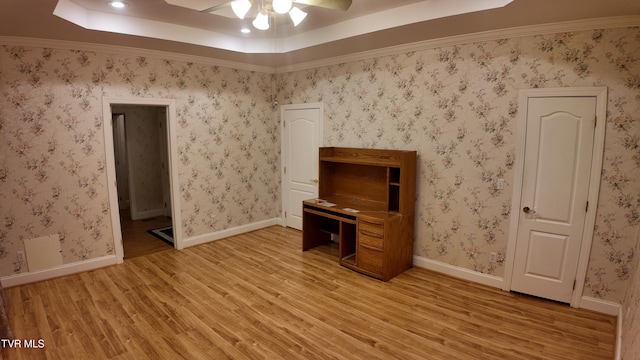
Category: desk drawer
[370,259]
[371,239]
[371,227]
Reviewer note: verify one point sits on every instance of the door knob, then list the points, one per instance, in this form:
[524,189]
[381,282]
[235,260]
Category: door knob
[531,213]
[314,180]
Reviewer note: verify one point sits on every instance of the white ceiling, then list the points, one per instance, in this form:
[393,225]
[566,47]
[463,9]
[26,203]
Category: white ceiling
[368,25]
[221,29]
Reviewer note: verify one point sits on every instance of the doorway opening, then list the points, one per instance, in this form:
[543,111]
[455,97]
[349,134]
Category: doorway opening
[142,176]
[141,162]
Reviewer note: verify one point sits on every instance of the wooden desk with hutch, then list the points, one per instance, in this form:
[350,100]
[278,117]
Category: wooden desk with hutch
[367,198]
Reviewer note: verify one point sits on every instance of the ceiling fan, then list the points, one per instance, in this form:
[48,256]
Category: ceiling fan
[265,8]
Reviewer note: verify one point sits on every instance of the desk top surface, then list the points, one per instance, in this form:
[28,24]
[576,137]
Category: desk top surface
[352,207]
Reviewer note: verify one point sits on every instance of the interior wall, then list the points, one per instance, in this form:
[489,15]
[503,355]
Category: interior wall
[53,172]
[457,106]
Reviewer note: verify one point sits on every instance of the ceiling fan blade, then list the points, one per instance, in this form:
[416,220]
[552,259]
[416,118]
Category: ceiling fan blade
[329,4]
[216,7]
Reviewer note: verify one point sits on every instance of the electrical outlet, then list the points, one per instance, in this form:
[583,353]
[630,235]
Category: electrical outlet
[21,257]
[500,184]
[493,257]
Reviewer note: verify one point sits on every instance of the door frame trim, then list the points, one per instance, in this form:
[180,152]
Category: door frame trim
[116,227]
[284,146]
[600,93]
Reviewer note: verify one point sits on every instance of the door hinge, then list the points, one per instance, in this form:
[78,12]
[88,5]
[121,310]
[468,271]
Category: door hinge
[285,214]
[587,209]
[574,285]
[285,169]
[595,121]
[284,124]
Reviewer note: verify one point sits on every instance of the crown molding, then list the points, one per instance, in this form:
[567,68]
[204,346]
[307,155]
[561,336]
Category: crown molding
[130,51]
[492,35]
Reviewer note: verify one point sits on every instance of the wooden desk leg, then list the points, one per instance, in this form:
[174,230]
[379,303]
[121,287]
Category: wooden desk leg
[348,241]
[311,234]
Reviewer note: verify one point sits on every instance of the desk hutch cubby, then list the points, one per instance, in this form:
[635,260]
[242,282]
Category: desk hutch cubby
[366,197]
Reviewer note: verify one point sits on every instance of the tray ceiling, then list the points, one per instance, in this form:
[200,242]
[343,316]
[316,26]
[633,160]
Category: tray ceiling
[221,29]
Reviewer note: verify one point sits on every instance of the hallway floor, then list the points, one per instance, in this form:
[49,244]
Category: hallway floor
[136,240]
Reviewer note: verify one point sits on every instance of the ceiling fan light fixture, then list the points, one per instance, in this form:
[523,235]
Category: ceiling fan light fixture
[282,6]
[261,22]
[297,15]
[240,7]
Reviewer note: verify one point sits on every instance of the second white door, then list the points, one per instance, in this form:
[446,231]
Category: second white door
[302,137]
[555,188]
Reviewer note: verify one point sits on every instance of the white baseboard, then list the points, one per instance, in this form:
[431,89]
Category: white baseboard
[201,239]
[458,272]
[586,302]
[58,271]
[601,306]
[619,335]
[92,264]
[608,308]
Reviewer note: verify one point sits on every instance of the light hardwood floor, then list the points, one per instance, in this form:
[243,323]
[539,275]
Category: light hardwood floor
[258,296]
[136,240]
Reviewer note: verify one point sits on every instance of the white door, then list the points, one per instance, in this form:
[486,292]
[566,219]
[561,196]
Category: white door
[555,187]
[302,137]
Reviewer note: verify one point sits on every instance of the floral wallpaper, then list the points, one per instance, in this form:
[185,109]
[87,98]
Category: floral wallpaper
[52,170]
[457,106]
